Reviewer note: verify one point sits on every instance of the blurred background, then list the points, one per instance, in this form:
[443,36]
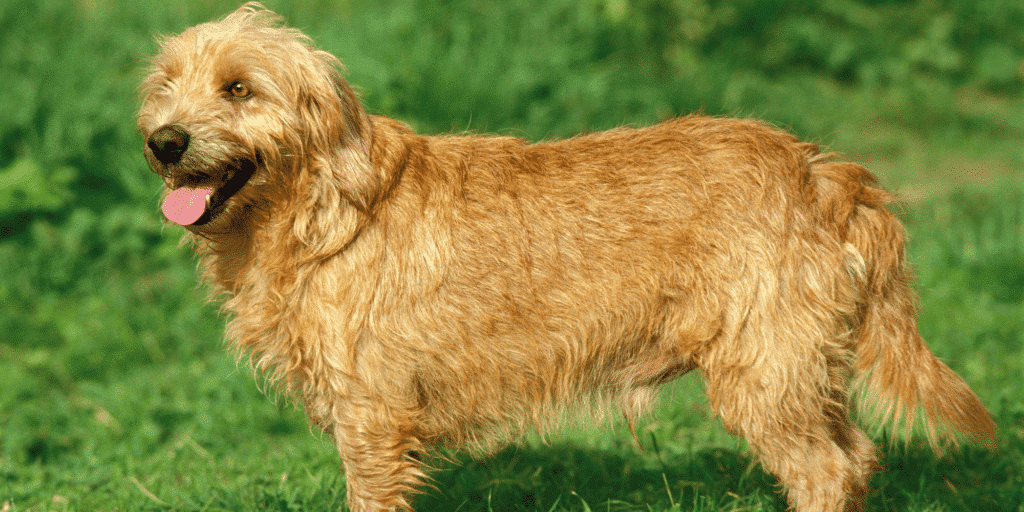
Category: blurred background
[116,392]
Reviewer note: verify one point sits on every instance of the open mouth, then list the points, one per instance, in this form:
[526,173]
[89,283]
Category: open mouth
[199,202]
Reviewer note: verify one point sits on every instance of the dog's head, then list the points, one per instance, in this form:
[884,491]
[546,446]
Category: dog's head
[242,117]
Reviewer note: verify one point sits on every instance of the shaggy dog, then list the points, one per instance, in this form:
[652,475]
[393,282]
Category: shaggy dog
[416,292]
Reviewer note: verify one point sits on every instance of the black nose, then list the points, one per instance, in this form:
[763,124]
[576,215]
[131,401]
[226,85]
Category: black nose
[168,143]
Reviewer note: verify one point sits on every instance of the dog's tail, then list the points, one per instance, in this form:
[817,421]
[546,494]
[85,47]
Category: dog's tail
[898,375]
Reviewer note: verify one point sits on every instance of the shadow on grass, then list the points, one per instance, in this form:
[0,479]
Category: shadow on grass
[968,479]
[574,478]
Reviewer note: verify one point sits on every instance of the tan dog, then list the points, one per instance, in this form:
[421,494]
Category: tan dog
[416,292]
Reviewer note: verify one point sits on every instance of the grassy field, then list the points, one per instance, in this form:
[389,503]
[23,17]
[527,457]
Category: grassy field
[116,392]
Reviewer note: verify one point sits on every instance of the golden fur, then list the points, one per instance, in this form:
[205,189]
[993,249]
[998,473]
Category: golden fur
[416,292]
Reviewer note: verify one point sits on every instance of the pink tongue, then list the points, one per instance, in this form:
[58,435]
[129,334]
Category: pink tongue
[185,205]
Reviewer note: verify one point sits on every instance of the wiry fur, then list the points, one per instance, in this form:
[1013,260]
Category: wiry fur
[420,291]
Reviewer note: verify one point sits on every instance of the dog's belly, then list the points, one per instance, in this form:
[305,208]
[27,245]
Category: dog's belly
[483,380]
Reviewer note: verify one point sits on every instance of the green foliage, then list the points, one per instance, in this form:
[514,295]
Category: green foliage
[558,67]
[25,187]
[115,388]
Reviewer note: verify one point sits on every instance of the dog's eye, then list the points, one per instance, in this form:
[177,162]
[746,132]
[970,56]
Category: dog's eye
[239,90]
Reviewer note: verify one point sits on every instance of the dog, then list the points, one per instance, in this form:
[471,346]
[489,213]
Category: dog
[418,293]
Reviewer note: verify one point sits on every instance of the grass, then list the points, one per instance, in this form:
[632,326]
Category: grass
[116,392]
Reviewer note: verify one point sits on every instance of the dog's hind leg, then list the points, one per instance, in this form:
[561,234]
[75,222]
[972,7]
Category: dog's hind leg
[780,383]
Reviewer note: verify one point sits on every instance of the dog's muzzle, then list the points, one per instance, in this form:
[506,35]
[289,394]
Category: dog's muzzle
[196,197]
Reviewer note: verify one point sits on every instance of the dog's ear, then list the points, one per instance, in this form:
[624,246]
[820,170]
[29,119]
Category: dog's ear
[339,136]
[336,184]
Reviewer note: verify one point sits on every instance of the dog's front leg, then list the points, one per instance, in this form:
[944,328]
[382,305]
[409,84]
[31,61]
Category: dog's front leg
[381,456]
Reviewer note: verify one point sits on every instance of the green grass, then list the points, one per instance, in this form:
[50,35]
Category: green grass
[116,392]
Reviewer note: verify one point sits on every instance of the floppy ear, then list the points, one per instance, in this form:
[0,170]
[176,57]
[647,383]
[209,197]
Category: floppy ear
[338,137]
[362,183]
[336,185]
